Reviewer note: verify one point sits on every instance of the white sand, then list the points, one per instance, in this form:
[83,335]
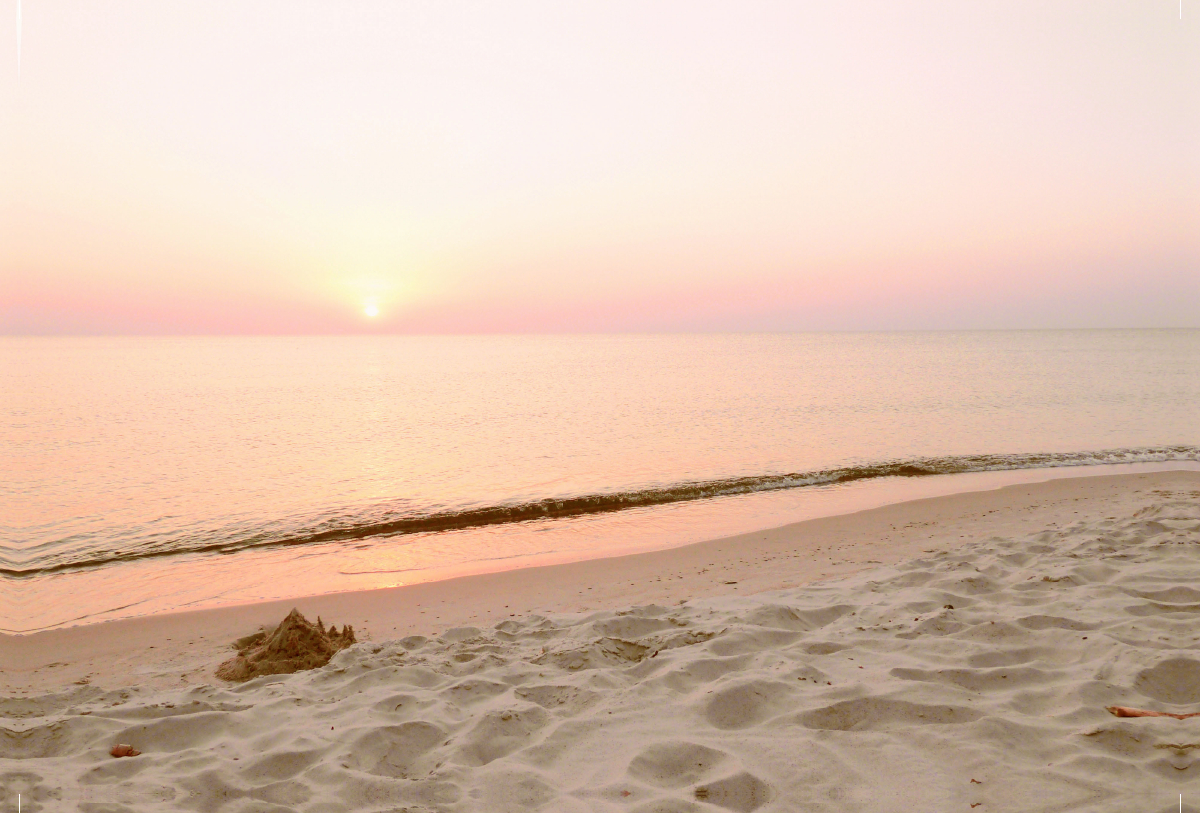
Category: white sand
[858,693]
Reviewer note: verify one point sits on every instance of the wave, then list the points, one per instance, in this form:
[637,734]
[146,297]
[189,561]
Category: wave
[353,527]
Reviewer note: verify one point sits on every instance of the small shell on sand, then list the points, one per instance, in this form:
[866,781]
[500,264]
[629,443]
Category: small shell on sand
[123,750]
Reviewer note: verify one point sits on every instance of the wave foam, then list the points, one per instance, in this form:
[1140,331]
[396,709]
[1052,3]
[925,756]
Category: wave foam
[352,527]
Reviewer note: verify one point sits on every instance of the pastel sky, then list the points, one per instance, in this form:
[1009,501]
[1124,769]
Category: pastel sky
[284,166]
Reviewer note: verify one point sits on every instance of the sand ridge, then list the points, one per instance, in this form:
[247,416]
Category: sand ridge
[972,678]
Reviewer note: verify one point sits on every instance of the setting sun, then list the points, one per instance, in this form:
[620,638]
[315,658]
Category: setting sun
[371,310]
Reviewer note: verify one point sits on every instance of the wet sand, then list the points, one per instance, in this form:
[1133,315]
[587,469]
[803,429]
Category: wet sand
[176,648]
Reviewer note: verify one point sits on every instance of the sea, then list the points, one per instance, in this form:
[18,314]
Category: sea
[145,475]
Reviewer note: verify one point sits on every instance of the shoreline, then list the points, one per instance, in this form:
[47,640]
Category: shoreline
[175,649]
[168,585]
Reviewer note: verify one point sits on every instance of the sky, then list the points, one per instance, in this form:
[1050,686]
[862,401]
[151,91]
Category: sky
[283,167]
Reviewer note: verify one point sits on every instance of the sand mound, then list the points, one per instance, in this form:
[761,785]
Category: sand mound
[293,646]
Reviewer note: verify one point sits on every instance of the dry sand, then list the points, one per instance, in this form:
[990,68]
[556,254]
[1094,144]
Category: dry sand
[948,654]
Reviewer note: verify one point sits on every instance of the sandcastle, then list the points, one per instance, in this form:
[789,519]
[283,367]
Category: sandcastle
[293,646]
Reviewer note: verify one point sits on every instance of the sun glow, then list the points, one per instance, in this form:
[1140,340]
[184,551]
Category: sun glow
[371,310]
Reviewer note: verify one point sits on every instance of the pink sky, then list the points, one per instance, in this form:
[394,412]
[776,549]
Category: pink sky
[278,167]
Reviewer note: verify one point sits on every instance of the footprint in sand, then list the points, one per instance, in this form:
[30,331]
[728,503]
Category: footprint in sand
[675,764]
[742,792]
[747,704]
[877,713]
[566,699]
[473,690]
[500,733]
[1175,681]
[400,751]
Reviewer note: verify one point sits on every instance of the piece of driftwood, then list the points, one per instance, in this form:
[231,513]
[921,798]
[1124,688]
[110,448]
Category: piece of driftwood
[1126,711]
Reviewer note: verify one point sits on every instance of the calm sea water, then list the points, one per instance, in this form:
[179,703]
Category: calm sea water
[119,452]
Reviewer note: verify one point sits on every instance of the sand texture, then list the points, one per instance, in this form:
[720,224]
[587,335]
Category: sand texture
[971,678]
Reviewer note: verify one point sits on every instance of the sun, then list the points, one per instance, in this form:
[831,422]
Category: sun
[371,310]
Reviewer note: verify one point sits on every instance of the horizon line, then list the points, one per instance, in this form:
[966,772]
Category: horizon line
[588,333]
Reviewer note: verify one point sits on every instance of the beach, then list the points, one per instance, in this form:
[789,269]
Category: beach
[949,653]
[674,408]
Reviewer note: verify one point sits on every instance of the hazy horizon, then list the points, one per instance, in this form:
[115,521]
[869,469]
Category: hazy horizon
[596,333]
[312,169]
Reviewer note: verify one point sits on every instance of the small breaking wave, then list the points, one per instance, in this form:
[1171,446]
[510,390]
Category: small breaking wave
[355,527]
